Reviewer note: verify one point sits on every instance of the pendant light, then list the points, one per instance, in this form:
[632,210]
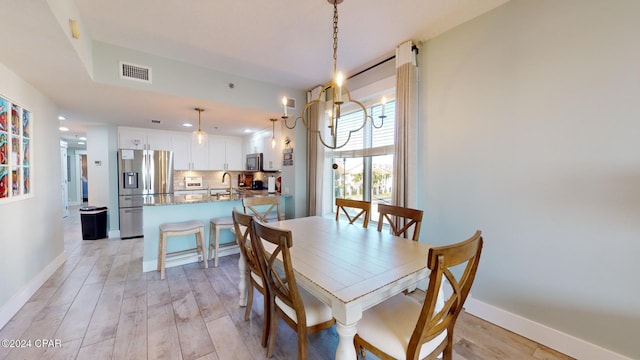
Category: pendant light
[273,133]
[199,136]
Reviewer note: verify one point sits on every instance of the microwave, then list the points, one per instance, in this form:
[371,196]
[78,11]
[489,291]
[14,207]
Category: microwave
[254,162]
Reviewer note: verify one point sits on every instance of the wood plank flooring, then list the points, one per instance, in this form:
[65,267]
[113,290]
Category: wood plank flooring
[100,305]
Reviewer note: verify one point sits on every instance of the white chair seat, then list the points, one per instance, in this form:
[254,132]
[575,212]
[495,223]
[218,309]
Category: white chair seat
[227,220]
[315,311]
[181,226]
[389,326]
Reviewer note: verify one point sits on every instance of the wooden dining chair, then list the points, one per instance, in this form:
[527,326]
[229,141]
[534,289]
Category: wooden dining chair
[266,208]
[402,328]
[345,204]
[300,310]
[244,232]
[401,220]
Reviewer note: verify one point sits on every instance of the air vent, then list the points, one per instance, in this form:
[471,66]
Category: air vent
[291,103]
[135,72]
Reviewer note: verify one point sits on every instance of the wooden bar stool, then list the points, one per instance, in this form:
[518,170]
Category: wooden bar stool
[215,225]
[180,229]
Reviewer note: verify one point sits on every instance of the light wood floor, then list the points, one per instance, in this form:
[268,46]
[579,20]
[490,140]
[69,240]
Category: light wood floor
[99,305]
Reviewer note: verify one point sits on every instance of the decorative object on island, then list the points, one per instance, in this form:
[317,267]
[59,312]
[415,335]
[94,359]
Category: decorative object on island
[15,150]
[338,94]
[199,136]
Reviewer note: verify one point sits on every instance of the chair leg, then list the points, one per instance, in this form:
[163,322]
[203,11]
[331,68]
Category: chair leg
[216,247]
[163,256]
[247,310]
[266,320]
[273,326]
[302,343]
[203,251]
[212,228]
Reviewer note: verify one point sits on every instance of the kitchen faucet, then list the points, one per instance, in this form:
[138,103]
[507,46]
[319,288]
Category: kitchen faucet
[223,176]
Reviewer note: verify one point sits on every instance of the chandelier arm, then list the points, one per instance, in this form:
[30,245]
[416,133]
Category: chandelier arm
[381,121]
[295,121]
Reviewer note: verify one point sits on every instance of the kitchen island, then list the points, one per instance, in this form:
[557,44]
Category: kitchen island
[175,208]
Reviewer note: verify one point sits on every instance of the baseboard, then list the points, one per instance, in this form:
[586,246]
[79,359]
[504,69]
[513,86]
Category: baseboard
[557,340]
[113,234]
[11,307]
[152,265]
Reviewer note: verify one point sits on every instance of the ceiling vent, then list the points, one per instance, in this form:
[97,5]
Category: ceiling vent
[135,72]
[291,103]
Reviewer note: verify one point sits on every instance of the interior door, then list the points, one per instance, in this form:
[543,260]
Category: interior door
[64,181]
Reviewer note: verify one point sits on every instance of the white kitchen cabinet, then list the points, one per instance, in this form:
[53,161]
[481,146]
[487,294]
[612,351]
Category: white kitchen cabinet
[187,155]
[255,144]
[225,153]
[271,156]
[143,139]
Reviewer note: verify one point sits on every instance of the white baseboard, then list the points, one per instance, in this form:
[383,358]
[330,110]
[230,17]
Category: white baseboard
[152,265]
[557,340]
[114,234]
[11,307]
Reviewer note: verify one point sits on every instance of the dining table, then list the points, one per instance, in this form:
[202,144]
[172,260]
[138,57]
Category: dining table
[349,268]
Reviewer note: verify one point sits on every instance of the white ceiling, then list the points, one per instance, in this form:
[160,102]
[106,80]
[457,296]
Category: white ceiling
[283,42]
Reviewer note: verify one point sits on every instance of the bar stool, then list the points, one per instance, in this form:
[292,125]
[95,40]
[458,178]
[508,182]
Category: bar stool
[215,226]
[179,229]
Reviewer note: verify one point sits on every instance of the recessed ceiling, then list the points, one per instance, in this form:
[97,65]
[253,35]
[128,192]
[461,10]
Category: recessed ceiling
[282,42]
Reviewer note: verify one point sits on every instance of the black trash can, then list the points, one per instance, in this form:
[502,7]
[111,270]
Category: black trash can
[94,222]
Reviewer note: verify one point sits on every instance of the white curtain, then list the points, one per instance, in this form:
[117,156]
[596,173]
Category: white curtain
[405,156]
[315,156]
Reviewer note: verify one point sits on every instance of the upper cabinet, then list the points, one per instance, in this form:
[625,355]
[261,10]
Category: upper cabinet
[218,153]
[143,139]
[225,153]
[272,156]
[260,142]
[187,155]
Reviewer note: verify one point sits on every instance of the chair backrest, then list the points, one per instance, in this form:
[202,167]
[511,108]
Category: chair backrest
[401,220]
[284,288]
[438,315]
[242,224]
[262,207]
[345,204]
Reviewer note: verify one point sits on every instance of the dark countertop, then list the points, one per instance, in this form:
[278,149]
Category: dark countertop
[171,199]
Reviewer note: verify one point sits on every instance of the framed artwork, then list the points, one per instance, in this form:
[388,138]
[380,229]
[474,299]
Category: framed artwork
[15,150]
[287,157]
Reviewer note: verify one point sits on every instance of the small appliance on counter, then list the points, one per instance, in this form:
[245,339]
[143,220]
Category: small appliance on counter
[245,181]
[271,185]
[256,185]
[193,182]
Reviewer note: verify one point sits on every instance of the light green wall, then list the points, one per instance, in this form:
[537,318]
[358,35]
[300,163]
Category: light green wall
[31,232]
[530,133]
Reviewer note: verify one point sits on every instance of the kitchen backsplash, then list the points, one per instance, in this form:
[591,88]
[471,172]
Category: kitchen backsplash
[213,179]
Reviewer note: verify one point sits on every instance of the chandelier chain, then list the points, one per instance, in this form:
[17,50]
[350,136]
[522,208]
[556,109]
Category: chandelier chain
[335,35]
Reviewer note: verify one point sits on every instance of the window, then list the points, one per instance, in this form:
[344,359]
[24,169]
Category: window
[363,169]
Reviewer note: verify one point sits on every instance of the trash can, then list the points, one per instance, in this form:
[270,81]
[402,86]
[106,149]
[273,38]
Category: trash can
[94,222]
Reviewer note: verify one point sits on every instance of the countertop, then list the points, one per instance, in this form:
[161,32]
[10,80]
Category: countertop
[171,199]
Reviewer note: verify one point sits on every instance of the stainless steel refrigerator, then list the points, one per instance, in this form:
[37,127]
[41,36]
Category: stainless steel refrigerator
[142,174]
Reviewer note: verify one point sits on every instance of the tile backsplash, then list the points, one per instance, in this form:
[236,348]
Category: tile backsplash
[213,179]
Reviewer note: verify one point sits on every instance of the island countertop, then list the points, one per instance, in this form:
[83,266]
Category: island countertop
[172,199]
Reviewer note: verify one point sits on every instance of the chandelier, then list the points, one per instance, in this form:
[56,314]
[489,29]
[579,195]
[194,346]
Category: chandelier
[339,95]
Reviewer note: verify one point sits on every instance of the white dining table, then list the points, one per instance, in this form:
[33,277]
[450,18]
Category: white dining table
[349,268]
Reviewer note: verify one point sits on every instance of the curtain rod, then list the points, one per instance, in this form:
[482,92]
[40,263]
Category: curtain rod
[413,48]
